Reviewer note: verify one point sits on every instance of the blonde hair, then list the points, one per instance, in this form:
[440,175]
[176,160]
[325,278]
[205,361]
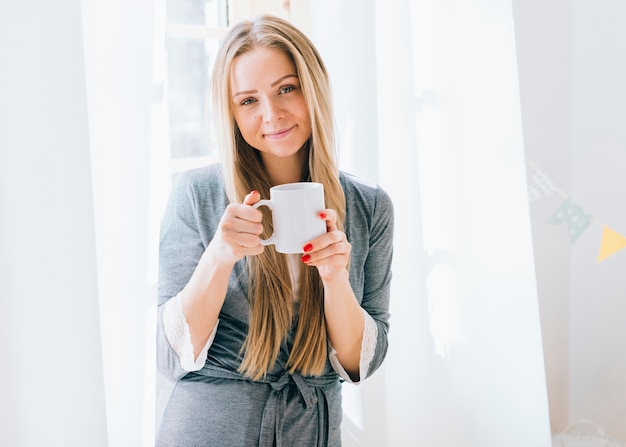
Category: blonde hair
[271,293]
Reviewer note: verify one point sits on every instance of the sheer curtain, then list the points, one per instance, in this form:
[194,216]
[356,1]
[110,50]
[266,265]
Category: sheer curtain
[123,42]
[435,84]
[51,382]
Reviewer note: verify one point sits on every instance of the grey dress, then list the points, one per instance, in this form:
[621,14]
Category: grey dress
[216,406]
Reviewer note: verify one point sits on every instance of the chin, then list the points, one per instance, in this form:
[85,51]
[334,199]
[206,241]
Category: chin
[284,151]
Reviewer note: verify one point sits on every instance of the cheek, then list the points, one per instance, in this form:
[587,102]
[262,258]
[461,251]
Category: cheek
[246,125]
[307,118]
[303,112]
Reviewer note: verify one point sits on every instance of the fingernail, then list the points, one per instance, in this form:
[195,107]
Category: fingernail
[322,214]
[306,258]
[254,191]
[307,247]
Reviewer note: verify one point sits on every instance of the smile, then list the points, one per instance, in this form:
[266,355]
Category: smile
[278,134]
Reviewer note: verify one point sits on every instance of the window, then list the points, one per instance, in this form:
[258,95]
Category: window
[194,29]
[193,33]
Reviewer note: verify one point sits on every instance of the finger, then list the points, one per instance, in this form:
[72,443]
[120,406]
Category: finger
[240,251]
[330,216]
[238,225]
[323,241]
[246,240]
[244,212]
[335,254]
[253,251]
[252,198]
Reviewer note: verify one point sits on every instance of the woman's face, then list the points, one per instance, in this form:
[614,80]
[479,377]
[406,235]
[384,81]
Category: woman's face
[268,103]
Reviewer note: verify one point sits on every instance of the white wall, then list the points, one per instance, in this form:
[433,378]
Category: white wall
[51,376]
[571,73]
[544,53]
[598,291]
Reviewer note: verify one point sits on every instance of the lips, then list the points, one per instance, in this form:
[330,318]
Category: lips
[279,133]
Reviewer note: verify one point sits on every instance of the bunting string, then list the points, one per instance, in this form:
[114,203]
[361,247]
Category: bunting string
[572,215]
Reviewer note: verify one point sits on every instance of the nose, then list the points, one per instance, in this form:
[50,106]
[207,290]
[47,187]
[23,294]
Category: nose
[272,110]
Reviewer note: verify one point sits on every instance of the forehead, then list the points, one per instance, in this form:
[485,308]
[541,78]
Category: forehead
[259,67]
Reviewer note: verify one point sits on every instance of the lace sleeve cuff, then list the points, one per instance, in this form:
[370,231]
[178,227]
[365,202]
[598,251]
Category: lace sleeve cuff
[177,334]
[368,348]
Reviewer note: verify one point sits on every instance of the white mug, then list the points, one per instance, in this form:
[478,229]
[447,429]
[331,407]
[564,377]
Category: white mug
[295,208]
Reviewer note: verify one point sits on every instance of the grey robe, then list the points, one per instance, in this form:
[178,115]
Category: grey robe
[216,406]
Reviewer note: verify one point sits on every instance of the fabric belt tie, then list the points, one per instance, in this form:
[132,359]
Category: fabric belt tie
[276,406]
[311,390]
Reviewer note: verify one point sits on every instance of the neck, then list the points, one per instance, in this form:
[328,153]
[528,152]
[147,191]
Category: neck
[285,170]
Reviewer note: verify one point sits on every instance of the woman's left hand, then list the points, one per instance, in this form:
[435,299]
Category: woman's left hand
[330,252]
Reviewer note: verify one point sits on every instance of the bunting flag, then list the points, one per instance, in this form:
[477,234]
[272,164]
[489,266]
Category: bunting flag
[612,242]
[540,186]
[574,217]
[572,214]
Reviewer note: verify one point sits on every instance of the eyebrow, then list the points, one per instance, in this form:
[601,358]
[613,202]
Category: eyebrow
[273,84]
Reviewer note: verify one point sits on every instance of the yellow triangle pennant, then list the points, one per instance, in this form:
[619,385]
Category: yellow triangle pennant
[612,242]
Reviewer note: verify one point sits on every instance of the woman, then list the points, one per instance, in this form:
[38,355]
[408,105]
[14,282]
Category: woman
[258,341]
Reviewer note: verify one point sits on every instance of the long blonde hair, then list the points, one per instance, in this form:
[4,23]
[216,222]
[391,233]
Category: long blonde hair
[270,289]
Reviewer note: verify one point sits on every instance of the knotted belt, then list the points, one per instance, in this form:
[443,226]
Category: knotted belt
[310,388]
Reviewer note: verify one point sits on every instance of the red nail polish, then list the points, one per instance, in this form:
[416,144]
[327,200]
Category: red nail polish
[307,248]
[322,215]
[306,258]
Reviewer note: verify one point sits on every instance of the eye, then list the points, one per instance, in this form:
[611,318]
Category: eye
[286,89]
[248,101]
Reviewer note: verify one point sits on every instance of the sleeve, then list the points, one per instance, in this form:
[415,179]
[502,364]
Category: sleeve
[180,249]
[377,275]
[368,349]
[177,334]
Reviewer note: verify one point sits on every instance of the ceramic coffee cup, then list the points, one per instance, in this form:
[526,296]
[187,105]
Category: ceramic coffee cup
[295,208]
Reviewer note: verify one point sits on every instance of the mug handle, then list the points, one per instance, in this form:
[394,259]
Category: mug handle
[269,204]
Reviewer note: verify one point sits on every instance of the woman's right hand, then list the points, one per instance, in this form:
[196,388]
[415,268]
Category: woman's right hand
[238,234]
[239,231]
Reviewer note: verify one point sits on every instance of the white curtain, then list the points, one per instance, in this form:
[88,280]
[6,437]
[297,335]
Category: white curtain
[435,84]
[123,42]
[81,185]
[51,382]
